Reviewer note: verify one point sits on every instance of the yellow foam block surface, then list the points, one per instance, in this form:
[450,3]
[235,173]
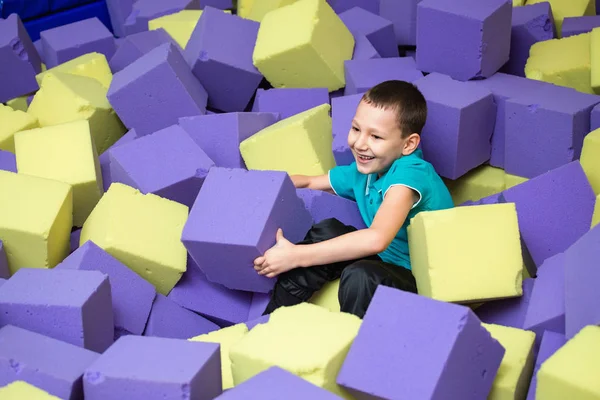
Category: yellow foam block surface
[518,3]
[11,122]
[305,45]
[36,217]
[563,62]
[513,180]
[479,183]
[572,371]
[92,65]
[590,159]
[244,7]
[300,144]
[65,98]
[327,297]
[596,215]
[18,103]
[20,390]
[66,153]
[143,231]
[595,59]
[562,9]
[467,254]
[226,337]
[261,8]
[179,25]
[306,340]
[513,376]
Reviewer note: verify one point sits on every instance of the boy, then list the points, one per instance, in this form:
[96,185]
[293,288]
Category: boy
[390,182]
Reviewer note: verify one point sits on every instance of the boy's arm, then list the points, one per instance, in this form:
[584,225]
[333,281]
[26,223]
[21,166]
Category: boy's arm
[319,182]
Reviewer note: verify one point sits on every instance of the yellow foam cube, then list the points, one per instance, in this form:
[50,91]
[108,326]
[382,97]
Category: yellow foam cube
[179,25]
[18,103]
[476,184]
[518,3]
[36,217]
[65,98]
[572,371]
[244,7]
[562,9]
[590,159]
[513,180]
[513,376]
[300,144]
[327,297]
[306,340]
[467,254]
[303,44]
[92,65]
[226,337]
[65,153]
[11,122]
[21,390]
[563,62]
[595,59]
[143,231]
[596,215]
[261,8]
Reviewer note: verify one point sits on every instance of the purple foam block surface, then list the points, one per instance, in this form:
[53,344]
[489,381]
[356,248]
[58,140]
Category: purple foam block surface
[378,30]
[40,50]
[104,158]
[277,383]
[263,319]
[461,356]
[465,39]
[132,296]
[323,205]
[167,163]
[595,118]
[155,368]
[136,45]
[403,15]
[72,306]
[339,6]
[550,343]
[289,101]
[143,11]
[220,54]
[157,89]
[20,60]
[460,123]
[343,109]
[220,135]
[4,271]
[70,41]
[258,305]
[118,11]
[2,280]
[509,312]
[75,237]
[33,358]
[220,4]
[577,25]
[582,276]
[363,49]
[235,219]
[361,75]
[170,320]
[8,161]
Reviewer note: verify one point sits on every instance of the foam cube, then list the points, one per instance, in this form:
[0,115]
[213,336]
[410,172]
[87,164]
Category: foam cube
[403,15]
[590,160]
[224,67]
[464,353]
[323,205]
[258,305]
[93,65]
[306,340]
[464,241]
[220,135]
[18,390]
[301,144]
[32,357]
[480,182]
[289,101]
[132,296]
[104,158]
[147,367]
[459,125]
[20,60]
[8,161]
[142,231]
[4,271]
[563,9]
[155,90]
[550,343]
[596,216]
[19,103]
[13,121]
[339,6]
[35,220]
[261,8]
[313,55]
[66,42]
[378,30]
[484,29]
[577,25]
[72,306]
[136,45]
[118,11]
[361,75]
[179,26]
[235,219]
[363,49]
[343,109]
[508,312]
[244,7]
[143,11]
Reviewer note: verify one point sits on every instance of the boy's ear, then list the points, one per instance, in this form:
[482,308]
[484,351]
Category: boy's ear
[411,144]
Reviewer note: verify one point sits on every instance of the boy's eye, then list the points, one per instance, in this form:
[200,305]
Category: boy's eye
[376,137]
[355,129]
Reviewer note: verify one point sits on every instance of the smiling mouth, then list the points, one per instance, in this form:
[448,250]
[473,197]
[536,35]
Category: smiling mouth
[366,158]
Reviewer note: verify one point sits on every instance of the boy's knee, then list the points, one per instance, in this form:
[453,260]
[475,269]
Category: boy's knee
[359,275]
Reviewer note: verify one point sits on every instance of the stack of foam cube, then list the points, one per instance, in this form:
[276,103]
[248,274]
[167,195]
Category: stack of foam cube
[143,169]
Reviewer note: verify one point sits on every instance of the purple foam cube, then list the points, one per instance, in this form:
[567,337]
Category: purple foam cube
[363,49]
[263,319]
[147,367]
[220,4]
[403,15]
[258,305]
[8,161]
[142,11]
[530,24]
[465,39]
[508,312]
[220,135]
[20,60]
[459,126]
[32,357]
[4,271]
[132,296]
[555,210]
[378,30]
[550,343]
[167,163]
[72,306]
[289,101]
[277,383]
[40,50]
[157,89]
[339,6]
[235,219]
[343,109]
[323,205]
[444,348]
[361,75]
[577,25]
[118,11]
[136,45]
[595,118]
[75,237]
[220,55]
[104,158]
[2,280]
[70,41]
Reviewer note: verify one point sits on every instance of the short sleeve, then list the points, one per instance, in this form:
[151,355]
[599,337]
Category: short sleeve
[342,179]
[414,175]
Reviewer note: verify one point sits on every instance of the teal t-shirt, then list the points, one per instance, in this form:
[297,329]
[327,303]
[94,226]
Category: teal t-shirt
[368,191]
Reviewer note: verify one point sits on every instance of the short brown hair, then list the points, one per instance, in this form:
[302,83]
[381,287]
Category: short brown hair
[403,97]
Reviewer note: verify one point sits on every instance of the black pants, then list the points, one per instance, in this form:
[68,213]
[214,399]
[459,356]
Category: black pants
[358,278]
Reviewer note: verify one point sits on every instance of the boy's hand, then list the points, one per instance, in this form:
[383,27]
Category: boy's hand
[278,259]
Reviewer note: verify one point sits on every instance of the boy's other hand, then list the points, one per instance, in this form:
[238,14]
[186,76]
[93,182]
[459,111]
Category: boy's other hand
[278,259]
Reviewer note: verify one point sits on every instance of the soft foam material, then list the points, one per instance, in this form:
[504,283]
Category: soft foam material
[118,11]
[343,109]
[93,65]
[363,49]
[577,25]
[13,121]
[480,182]
[8,161]
[104,158]
[361,75]
[4,271]
[35,220]
[19,103]
[136,45]
[403,15]
[596,215]
[590,159]
[261,8]
[508,312]
[550,343]
[567,8]
[18,390]
[178,26]
[300,144]
[141,12]
[303,45]
[328,296]
[378,30]
[323,205]
[289,101]
[142,231]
